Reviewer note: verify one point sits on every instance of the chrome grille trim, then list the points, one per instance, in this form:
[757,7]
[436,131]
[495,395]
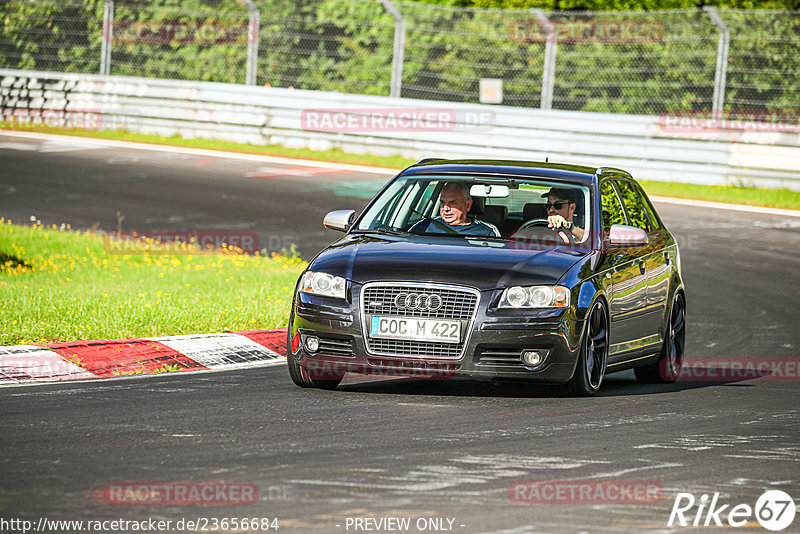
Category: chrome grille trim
[458,302]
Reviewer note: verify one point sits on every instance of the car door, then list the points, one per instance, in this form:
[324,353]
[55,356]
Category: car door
[627,293]
[653,260]
[661,266]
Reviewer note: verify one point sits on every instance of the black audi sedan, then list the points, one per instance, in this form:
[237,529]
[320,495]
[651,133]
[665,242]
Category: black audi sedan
[515,270]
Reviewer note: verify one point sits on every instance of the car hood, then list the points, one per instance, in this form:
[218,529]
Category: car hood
[481,263]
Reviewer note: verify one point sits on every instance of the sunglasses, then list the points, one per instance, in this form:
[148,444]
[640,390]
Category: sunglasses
[557,205]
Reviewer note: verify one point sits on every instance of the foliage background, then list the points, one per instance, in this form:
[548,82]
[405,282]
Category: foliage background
[346,45]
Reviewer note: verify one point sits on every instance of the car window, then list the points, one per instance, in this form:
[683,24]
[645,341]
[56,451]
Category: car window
[408,202]
[611,207]
[419,202]
[655,221]
[633,205]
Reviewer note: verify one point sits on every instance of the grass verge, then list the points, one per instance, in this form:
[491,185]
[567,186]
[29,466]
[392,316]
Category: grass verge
[60,285]
[752,196]
[773,198]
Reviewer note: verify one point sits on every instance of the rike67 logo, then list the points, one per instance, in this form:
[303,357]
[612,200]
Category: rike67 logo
[774,510]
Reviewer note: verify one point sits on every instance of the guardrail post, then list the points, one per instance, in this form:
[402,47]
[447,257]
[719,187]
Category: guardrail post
[253,28]
[722,60]
[108,38]
[399,48]
[549,71]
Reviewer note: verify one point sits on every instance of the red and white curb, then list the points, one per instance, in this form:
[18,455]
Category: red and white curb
[82,360]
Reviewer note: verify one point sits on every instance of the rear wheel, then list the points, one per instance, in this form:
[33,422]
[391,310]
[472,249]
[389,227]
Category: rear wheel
[670,362]
[593,354]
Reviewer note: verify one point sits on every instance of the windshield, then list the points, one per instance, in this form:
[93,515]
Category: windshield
[530,209]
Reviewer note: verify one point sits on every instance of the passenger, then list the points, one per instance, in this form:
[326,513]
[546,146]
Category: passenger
[560,208]
[454,204]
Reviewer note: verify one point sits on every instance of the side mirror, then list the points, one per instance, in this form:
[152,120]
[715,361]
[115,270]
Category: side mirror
[339,220]
[627,236]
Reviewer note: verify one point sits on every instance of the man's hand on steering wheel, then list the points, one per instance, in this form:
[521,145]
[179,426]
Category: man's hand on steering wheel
[566,235]
[557,221]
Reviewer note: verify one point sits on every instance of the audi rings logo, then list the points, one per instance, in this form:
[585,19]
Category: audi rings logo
[418,301]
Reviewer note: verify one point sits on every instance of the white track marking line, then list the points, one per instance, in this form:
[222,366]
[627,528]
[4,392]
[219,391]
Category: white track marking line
[206,152]
[356,168]
[723,206]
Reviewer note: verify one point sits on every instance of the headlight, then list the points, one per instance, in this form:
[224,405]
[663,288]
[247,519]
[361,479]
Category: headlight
[323,284]
[535,297]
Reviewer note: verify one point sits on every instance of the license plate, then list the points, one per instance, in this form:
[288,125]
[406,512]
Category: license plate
[440,330]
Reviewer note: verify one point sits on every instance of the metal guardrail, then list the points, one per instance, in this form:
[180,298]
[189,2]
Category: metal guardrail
[650,147]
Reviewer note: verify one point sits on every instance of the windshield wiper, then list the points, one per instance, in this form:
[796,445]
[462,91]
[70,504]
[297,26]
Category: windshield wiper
[385,231]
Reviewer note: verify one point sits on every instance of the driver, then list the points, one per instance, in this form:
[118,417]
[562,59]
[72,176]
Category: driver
[560,208]
[454,204]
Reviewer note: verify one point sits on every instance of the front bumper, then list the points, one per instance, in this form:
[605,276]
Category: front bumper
[494,342]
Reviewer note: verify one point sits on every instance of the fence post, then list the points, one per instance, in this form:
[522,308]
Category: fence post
[108,38]
[399,48]
[549,71]
[722,60]
[253,29]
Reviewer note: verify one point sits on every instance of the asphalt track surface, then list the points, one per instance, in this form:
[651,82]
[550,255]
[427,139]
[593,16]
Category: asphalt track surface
[395,448]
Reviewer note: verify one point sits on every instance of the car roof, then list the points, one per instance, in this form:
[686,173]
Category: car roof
[574,174]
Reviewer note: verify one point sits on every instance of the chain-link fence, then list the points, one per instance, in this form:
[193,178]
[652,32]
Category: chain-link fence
[623,62]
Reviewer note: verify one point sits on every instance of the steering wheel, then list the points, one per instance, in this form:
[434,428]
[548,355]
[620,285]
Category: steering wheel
[565,234]
[440,224]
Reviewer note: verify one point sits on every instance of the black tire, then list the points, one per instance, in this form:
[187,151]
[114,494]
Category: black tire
[299,376]
[593,355]
[668,367]
[325,380]
[305,378]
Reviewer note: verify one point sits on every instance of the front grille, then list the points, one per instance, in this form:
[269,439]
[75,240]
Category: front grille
[456,303]
[379,299]
[422,349]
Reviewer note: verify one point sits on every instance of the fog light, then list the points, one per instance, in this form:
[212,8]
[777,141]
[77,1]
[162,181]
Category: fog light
[533,357]
[312,343]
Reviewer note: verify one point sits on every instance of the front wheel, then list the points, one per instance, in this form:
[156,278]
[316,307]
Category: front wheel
[319,376]
[593,354]
[298,374]
[670,362]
